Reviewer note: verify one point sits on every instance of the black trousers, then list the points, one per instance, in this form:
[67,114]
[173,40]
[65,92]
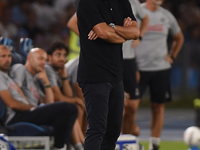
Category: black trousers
[60,115]
[104,107]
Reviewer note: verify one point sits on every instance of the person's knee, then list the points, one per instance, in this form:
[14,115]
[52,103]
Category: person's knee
[157,107]
[131,107]
[69,108]
[74,109]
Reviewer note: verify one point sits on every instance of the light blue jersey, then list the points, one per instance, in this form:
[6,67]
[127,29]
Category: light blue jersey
[152,50]
[128,50]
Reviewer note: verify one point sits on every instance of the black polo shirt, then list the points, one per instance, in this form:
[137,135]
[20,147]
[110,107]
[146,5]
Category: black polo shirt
[100,61]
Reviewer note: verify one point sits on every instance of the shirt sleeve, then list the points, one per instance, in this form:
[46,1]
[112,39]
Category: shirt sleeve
[17,73]
[74,75]
[128,10]
[72,70]
[3,84]
[174,27]
[51,74]
[88,9]
[140,13]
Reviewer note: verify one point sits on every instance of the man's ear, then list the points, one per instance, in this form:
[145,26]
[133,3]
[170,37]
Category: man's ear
[29,57]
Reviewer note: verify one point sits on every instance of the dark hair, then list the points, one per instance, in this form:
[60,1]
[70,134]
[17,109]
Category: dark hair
[57,45]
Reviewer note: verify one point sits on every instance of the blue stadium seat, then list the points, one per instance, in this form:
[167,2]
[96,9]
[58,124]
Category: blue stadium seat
[25,46]
[16,58]
[23,128]
[8,42]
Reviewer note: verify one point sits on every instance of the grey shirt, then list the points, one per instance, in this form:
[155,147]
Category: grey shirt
[72,70]
[128,50]
[53,76]
[8,84]
[28,83]
[152,50]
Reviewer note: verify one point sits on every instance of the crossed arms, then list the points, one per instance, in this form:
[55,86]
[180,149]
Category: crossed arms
[119,34]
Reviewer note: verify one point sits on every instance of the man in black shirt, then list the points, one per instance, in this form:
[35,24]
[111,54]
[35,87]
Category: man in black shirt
[103,26]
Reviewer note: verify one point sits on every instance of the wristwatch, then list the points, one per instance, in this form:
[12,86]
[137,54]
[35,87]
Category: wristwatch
[112,25]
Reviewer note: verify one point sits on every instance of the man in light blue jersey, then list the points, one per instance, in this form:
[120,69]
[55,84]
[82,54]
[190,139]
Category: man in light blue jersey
[154,62]
[131,85]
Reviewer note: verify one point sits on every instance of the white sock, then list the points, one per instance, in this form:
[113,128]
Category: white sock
[64,148]
[78,146]
[153,140]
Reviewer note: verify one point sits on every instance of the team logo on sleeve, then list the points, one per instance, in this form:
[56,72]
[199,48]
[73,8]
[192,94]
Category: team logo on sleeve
[162,19]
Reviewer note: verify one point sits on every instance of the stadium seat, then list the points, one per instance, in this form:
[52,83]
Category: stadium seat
[16,58]
[8,42]
[25,46]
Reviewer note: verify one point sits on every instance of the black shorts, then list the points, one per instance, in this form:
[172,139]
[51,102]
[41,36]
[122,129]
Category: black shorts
[131,85]
[159,84]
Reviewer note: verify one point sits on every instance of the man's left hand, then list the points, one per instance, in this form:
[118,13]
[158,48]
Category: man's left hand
[127,22]
[169,59]
[63,72]
[92,35]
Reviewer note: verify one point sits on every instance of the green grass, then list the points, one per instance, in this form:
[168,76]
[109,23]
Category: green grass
[168,145]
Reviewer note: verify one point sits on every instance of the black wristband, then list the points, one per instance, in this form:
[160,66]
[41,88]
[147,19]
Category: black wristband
[47,86]
[140,38]
[64,78]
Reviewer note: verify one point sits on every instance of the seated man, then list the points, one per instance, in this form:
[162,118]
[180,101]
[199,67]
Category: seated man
[72,70]
[57,75]
[26,78]
[59,115]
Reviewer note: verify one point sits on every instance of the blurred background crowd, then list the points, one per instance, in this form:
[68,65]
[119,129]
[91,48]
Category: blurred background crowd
[45,21]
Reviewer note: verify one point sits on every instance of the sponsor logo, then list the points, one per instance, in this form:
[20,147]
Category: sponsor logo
[157,27]
[34,92]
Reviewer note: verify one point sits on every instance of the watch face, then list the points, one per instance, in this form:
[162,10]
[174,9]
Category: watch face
[112,25]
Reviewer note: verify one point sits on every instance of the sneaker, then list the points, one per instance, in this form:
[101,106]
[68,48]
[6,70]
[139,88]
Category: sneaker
[155,147]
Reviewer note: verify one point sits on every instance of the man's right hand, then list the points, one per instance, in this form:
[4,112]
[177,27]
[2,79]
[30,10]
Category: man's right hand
[43,76]
[92,35]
